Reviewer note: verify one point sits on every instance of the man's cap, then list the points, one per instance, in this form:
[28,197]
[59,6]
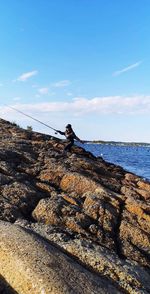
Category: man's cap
[68,126]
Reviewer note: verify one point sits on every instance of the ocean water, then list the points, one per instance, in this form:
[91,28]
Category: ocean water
[134,159]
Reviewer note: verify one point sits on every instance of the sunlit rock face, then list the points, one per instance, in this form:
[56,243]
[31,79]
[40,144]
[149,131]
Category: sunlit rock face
[80,207]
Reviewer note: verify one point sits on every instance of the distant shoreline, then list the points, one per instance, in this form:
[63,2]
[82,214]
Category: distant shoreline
[118,143]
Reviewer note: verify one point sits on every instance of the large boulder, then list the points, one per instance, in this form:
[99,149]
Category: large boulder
[31,265]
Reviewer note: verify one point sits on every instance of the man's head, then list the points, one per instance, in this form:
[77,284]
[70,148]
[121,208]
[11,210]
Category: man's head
[68,126]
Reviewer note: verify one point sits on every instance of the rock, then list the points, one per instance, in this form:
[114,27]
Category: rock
[74,182]
[4,179]
[129,276]
[95,211]
[17,198]
[32,265]
[143,185]
[48,211]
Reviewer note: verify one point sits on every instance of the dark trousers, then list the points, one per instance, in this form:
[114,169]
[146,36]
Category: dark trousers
[69,145]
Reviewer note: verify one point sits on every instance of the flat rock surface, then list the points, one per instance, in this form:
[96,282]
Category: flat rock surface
[31,265]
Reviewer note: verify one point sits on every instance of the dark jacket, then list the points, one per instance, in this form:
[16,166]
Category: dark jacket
[70,135]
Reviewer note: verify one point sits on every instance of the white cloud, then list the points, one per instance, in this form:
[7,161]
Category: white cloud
[97,105]
[84,114]
[25,76]
[128,68]
[61,84]
[43,91]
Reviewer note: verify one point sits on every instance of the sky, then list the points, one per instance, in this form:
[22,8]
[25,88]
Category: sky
[83,62]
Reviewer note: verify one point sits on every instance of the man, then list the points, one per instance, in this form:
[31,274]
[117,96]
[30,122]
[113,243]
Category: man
[70,136]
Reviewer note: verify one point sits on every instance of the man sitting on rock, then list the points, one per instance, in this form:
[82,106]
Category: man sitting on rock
[70,136]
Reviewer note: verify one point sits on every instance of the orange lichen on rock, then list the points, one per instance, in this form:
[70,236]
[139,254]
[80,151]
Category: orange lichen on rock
[137,209]
[143,185]
[78,183]
[70,199]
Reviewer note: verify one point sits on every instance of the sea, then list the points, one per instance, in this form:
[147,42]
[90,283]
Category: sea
[135,159]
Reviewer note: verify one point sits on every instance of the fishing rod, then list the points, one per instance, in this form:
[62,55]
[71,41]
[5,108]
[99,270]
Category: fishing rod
[31,117]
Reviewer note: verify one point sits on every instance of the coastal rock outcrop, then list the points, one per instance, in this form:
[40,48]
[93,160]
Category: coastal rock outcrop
[73,205]
[32,265]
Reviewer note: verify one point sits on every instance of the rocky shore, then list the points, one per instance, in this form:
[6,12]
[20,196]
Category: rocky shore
[69,223]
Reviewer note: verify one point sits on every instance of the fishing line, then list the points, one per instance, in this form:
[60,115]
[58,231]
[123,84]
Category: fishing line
[30,117]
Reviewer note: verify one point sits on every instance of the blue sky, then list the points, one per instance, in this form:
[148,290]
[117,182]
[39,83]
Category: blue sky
[82,62]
